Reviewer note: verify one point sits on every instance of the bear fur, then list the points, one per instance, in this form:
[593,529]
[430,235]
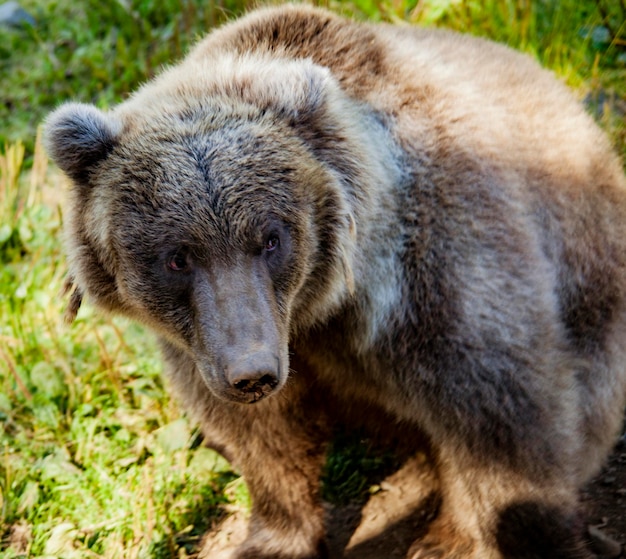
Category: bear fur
[316,215]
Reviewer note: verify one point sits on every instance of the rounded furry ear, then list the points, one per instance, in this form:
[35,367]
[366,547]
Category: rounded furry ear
[295,89]
[300,90]
[77,136]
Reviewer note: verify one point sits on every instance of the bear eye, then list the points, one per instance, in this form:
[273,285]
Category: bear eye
[178,262]
[272,243]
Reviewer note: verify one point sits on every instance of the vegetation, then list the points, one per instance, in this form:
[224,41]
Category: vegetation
[95,459]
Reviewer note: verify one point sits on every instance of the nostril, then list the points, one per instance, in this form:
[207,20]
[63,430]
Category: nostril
[242,385]
[269,380]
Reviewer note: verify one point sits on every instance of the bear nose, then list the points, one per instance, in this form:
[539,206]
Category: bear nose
[254,376]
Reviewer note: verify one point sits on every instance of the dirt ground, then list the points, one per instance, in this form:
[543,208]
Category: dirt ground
[400,512]
[605,498]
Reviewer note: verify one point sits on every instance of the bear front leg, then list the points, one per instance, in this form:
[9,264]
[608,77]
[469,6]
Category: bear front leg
[281,456]
[278,445]
[491,512]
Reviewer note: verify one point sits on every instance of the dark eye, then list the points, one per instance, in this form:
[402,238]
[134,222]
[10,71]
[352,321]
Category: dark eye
[178,262]
[272,243]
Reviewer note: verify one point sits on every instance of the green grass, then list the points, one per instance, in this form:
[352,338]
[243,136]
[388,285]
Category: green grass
[92,51]
[95,459]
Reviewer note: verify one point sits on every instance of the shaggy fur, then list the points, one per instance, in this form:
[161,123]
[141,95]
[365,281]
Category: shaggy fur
[410,219]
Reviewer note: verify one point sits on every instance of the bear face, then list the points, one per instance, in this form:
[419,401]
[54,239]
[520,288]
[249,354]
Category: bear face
[212,224]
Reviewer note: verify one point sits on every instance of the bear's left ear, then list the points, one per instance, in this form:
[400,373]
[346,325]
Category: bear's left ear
[297,90]
[78,136]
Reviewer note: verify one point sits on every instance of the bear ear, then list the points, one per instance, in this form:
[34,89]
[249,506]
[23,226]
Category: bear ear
[78,136]
[300,90]
[295,89]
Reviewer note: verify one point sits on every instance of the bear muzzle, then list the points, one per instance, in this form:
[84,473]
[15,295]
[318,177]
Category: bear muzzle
[253,376]
[241,343]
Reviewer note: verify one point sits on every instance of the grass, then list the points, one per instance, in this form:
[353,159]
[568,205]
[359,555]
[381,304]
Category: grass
[92,51]
[95,459]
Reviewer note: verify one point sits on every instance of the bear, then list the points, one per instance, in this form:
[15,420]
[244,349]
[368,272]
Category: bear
[317,215]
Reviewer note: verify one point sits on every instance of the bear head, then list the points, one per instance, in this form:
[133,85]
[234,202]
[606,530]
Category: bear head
[216,206]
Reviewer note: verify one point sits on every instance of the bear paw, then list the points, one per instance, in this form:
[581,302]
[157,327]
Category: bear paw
[253,552]
[249,553]
[427,551]
[432,547]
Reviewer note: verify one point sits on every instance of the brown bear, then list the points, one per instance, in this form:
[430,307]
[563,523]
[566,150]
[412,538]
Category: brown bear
[310,210]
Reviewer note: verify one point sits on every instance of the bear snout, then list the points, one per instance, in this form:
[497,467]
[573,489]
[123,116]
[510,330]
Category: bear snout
[253,376]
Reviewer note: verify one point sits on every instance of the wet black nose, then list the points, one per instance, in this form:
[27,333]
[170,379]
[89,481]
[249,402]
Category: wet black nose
[254,376]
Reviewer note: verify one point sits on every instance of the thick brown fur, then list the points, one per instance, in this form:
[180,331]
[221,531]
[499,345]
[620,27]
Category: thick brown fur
[308,210]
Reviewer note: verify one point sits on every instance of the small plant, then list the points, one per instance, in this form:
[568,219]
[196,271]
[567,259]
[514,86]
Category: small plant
[354,467]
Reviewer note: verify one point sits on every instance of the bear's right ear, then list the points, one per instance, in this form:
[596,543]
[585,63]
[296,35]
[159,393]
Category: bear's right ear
[77,136]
